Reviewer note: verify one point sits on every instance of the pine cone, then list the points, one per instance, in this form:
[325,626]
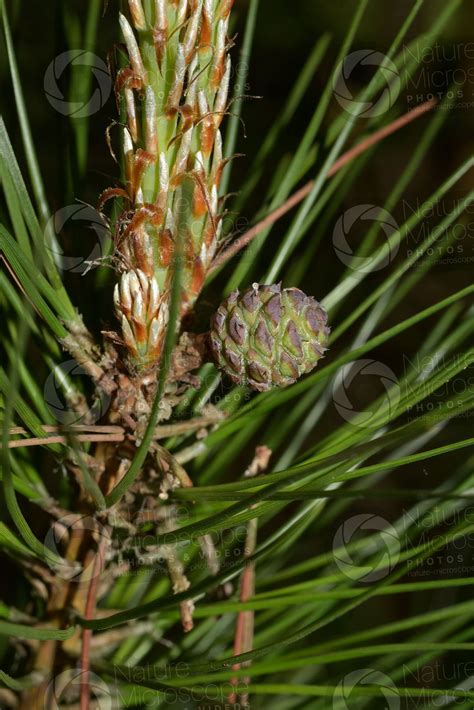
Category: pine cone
[268,337]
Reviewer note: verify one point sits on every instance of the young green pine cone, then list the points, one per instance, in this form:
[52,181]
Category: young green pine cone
[268,337]
[143,314]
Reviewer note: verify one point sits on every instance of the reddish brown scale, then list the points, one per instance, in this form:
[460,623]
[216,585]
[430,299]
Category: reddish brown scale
[140,331]
[197,176]
[142,260]
[136,11]
[198,276]
[218,73]
[132,119]
[206,31]
[127,260]
[210,231]
[189,255]
[225,8]
[208,135]
[129,171]
[127,79]
[218,117]
[174,97]
[109,194]
[147,213]
[217,175]
[155,215]
[142,160]
[199,202]
[171,110]
[127,312]
[176,180]
[121,225]
[200,195]
[187,114]
[165,247]
[169,282]
[160,38]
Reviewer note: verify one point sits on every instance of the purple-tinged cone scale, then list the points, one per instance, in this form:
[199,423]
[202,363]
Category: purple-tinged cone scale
[268,336]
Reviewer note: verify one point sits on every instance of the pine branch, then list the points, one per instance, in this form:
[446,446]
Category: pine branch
[177,80]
